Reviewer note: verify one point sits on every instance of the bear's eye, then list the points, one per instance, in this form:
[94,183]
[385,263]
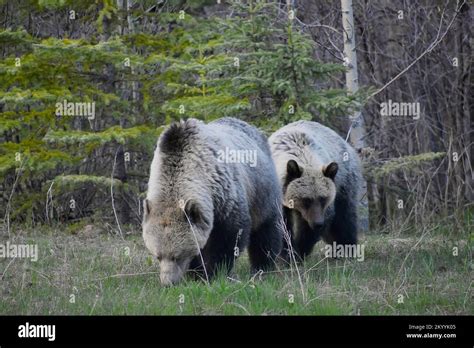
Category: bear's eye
[322,201]
[306,202]
[159,257]
[176,258]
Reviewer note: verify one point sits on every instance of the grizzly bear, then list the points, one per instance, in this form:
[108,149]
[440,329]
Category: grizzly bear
[212,191]
[320,175]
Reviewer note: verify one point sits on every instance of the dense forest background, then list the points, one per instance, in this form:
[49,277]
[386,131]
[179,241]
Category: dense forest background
[146,63]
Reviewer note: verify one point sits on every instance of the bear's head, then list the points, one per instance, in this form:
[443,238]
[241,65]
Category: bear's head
[310,191]
[175,235]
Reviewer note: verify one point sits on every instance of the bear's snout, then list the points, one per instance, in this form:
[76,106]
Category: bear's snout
[170,272]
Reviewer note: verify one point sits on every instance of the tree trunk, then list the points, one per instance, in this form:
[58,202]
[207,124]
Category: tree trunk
[464,102]
[120,170]
[357,131]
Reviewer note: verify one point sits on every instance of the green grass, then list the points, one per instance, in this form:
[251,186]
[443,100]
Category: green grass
[105,280]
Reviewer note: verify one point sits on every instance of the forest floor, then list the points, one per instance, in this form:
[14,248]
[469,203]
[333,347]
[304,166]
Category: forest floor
[92,273]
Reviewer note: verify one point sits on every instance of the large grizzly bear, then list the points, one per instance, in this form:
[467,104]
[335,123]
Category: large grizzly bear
[212,188]
[320,176]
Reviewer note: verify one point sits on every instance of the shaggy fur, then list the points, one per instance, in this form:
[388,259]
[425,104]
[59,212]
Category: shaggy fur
[320,188]
[226,204]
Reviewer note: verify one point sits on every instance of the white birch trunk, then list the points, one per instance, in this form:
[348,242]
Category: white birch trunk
[357,131]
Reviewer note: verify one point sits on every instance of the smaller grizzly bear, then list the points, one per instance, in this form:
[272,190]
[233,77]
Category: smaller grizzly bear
[213,191]
[320,176]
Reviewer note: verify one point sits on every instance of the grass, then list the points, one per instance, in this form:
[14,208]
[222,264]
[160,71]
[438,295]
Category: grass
[108,275]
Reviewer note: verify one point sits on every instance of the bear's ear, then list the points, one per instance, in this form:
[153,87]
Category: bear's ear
[330,170]
[293,171]
[194,213]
